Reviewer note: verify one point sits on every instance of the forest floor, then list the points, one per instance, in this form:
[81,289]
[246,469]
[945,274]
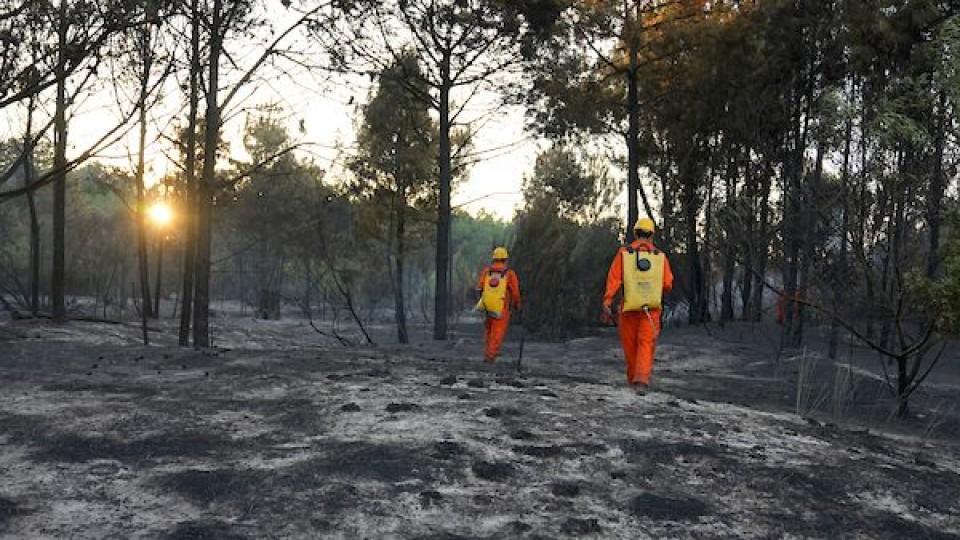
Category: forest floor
[280,432]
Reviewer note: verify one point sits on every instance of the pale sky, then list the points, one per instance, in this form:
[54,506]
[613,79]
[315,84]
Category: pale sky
[329,108]
[506,154]
[494,183]
[326,110]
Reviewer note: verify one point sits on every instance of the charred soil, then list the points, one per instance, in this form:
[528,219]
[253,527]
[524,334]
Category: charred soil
[293,436]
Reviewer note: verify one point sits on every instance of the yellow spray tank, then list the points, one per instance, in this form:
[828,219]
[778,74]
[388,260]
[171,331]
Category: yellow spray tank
[494,296]
[642,279]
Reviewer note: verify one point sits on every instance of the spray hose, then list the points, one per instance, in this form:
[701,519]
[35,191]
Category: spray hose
[656,329]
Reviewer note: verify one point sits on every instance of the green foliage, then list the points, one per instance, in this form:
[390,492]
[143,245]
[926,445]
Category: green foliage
[99,235]
[279,195]
[276,216]
[563,247]
[562,267]
[395,169]
[581,192]
[100,232]
[472,241]
[940,297]
[398,139]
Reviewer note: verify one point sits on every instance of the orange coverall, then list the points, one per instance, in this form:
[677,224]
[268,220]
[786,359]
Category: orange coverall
[496,329]
[638,333]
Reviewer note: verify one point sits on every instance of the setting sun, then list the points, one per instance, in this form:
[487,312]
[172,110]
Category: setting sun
[160,214]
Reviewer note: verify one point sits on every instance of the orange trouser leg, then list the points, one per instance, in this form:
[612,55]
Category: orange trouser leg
[629,321]
[638,337]
[496,330]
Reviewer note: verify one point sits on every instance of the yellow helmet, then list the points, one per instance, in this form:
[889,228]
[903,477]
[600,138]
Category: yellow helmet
[500,253]
[644,224]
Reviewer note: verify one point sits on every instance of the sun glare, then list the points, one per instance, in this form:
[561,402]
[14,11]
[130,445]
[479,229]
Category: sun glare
[160,214]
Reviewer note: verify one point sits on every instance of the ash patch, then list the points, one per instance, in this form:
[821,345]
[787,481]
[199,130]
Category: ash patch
[300,415]
[522,435]
[637,451]
[22,427]
[9,509]
[565,489]
[403,407]
[264,494]
[589,449]
[430,498]
[823,489]
[905,479]
[895,528]
[663,508]
[579,526]
[516,528]
[448,536]
[826,493]
[378,373]
[102,388]
[369,461]
[199,530]
[542,451]
[76,448]
[448,449]
[510,381]
[493,471]
[207,486]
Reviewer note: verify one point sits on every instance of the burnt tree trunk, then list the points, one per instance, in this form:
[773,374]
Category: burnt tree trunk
[399,308]
[28,148]
[441,297]
[840,274]
[190,190]
[762,243]
[58,272]
[201,307]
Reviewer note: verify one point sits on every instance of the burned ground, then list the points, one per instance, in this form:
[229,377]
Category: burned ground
[292,437]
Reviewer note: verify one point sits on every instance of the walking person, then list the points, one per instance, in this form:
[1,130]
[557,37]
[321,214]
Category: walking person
[643,272]
[499,290]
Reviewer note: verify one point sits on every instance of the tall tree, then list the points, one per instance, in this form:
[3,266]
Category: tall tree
[270,211]
[55,45]
[560,276]
[58,276]
[396,161]
[141,61]
[45,43]
[588,77]
[462,48]
[221,20]
[190,196]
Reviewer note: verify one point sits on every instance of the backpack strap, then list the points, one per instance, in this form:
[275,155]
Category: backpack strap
[653,250]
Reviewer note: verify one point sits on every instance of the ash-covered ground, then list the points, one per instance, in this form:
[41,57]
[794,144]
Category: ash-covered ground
[279,432]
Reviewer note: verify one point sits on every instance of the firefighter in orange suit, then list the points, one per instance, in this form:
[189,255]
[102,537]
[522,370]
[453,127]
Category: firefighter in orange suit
[643,272]
[499,290]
